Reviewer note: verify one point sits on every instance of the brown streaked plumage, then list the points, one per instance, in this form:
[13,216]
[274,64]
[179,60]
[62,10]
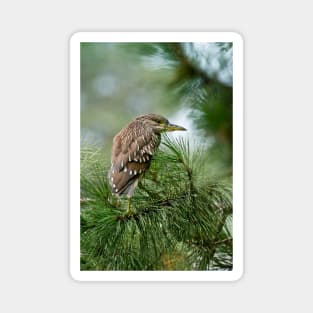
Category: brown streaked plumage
[132,151]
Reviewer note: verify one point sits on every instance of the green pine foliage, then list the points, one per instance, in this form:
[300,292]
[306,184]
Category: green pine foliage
[181,220]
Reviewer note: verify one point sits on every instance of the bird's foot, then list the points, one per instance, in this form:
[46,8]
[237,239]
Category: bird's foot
[129,211]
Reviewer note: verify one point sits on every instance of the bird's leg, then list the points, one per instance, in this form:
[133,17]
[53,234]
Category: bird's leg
[129,210]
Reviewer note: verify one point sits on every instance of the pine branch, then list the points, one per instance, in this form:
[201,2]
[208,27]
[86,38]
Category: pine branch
[179,221]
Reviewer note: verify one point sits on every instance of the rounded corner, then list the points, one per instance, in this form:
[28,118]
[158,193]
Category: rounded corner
[238,37]
[238,275]
[75,37]
[74,276]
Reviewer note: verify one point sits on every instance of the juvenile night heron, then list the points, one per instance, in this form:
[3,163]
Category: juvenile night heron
[132,151]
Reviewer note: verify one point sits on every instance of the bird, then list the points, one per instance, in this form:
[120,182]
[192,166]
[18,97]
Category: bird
[133,148]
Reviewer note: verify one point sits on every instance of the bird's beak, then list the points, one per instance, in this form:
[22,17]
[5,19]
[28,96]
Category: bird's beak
[173,127]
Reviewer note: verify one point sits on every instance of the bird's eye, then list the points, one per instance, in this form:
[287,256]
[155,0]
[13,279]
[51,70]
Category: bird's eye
[162,122]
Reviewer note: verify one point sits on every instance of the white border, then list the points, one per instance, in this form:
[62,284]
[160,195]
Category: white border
[237,271]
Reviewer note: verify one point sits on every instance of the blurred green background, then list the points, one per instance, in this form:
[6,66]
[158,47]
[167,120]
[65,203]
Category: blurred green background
[189,83]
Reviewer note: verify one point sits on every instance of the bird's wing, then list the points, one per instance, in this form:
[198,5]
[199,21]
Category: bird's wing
[131,160]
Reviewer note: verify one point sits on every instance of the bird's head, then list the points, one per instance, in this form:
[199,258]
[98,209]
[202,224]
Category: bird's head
[158,123]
